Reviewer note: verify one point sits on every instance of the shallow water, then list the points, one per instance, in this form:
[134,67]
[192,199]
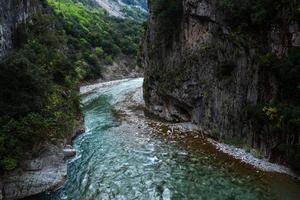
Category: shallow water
[117,163]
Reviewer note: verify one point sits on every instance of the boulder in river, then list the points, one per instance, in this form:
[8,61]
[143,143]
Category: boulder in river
[69,152]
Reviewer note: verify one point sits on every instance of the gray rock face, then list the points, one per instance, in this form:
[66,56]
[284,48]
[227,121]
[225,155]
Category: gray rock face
[46,172]
[204,74]
[69,152]
[1,192]
[12,13]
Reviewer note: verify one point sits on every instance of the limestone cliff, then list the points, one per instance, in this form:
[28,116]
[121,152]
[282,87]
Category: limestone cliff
[199,67]
[12,14]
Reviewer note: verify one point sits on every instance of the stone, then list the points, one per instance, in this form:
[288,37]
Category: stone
[12,14]
[296,39]
[38,175]
[1,190]
[68,152]
[32,165]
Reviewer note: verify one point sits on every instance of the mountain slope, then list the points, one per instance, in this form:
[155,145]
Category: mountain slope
[133,9]
[47,49]
[50,48]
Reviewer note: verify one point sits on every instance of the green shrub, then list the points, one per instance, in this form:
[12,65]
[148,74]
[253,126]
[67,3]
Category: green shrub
[23,85]
[216,133]
[108,60]
[257,15]
[9,163]
[278,121]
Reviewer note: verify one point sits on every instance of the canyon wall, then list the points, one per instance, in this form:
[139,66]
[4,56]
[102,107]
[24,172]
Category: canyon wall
[12,14]
[200,67]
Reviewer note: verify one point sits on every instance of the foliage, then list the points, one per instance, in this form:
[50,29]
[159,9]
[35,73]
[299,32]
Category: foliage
[38,80]
[278,121]
[95,38]
[281,118]
[9,163]
[216,133]
[270,112]
[38,102]
[257,15]
[287,72]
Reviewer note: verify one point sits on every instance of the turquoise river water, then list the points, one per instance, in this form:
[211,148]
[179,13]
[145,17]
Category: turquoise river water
[114,163]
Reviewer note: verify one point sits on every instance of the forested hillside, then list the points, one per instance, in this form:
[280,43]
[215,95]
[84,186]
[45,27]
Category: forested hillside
[55,48]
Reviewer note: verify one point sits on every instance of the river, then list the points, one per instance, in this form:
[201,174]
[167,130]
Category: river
[125,155]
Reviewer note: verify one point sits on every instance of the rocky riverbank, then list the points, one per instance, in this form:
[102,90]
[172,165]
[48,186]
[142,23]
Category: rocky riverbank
[131,110]
[124,144]
[48,171]
[247,157]
[199,69]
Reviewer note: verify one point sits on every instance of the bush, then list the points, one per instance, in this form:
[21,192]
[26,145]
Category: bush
[8,163]
[257,15]
[23,85]
[278,121]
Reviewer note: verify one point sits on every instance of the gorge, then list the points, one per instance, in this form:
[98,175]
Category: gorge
[216,116]
[232,69]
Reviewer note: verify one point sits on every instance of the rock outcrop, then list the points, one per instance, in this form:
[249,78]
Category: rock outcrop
[46,172]
[117,8]
[12,14]
[198,69]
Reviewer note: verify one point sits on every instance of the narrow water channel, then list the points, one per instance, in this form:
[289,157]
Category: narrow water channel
[119,160]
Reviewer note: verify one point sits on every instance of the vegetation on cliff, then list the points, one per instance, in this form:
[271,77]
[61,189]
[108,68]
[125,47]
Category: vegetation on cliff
[38,82]
[260,14]
[260,31]
[56,49]
[279,118]
[94,37]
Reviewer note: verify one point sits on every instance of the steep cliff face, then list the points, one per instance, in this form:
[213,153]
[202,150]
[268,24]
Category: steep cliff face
[13,13]
[200,68]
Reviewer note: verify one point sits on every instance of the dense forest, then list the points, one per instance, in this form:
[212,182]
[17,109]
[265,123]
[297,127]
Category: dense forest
[55,49]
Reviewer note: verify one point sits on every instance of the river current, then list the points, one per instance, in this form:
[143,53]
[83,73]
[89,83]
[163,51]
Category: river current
[116,161]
